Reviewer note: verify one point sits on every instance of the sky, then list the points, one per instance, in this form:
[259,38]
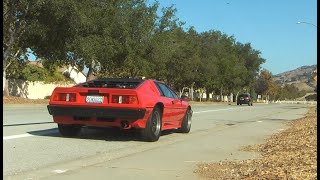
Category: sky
[269,25]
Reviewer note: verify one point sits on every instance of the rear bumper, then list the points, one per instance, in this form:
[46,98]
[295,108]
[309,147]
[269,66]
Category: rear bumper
[106,112]
[243,101]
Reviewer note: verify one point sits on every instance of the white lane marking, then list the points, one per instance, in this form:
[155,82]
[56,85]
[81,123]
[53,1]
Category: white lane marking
[214,110]
[28,135]
[258,121]
[16,136]
[59,171]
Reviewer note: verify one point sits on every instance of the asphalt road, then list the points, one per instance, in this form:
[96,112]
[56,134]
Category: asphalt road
[34,149]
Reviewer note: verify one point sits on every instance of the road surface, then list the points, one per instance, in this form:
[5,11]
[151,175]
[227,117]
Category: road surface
[34,149]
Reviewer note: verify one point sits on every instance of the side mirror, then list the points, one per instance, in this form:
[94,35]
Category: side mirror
[184,98]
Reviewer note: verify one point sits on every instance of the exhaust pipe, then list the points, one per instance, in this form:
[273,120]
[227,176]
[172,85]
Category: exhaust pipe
[125,125]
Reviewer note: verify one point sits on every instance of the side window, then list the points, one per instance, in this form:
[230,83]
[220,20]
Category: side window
[165,90]
[173,93]
[159,89]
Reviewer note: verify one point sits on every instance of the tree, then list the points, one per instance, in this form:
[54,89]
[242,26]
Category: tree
[14,24]
[112,38]
[184,60]
[43,26]
[136,27]
[163,44]
[265,84]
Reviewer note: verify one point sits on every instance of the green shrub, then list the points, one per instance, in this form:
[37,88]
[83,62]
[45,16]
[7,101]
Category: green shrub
[35,73]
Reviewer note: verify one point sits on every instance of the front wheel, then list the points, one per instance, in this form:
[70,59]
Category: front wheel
[69,130]
[152,131]
[186,122]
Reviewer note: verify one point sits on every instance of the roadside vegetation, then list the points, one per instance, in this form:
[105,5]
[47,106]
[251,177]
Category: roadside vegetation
[290,154]
[30,72]
[266,86]
[128,38]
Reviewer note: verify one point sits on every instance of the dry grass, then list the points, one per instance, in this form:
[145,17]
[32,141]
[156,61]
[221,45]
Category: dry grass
[291,154]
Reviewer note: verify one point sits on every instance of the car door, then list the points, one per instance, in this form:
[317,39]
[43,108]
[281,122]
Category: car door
[169,104]
[178,108]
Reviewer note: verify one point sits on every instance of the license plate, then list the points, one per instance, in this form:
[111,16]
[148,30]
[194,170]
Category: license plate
[94,99]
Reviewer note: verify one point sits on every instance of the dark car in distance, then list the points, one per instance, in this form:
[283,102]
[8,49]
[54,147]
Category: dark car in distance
[244,98]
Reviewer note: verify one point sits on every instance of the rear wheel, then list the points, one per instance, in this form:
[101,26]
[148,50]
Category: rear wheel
[186,123]
[152,131]
[69,130]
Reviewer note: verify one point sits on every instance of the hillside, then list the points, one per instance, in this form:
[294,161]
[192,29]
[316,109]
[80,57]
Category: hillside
[301,77]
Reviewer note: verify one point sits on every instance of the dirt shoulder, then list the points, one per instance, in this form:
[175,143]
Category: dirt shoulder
[291,154]
[19,100]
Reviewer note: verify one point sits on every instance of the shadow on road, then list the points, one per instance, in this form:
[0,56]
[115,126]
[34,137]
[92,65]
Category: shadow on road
[293,108]
[275,119]
[25,124]
[53,132]
[106,134]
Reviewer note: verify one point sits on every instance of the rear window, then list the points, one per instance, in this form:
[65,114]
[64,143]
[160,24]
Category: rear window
[243,95]
[112,83]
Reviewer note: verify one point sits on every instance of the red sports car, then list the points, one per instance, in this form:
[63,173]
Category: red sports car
[148,105]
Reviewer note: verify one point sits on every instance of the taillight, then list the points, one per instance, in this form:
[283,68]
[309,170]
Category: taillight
[115,99]
[72,97]
[133,100]
[126,99]
[59,97]
[69,97]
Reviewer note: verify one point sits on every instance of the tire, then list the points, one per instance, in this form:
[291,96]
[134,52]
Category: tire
[186,123]
[152,131]
[69,130]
